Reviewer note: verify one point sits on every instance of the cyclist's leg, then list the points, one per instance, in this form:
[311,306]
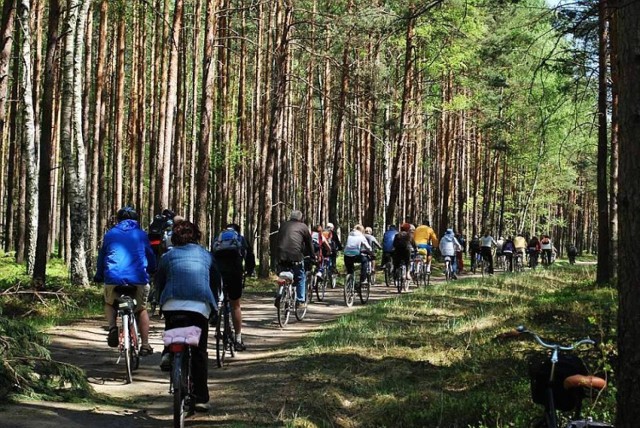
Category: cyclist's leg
[349,262]
[110,314]
[299,278]
[199,359]
[142,296]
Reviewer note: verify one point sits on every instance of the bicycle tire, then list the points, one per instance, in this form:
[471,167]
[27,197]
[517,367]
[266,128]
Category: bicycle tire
[400,278]
[135,344]
[321,288]
[229,334]
[364,291]
[179,391]
[284,306]
[127,347]
[331,278]
[311,286]
[388,274]
[301,312]
[349,292]
[220,338]
[447,270]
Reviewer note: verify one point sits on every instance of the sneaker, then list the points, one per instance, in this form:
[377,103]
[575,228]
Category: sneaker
[165,362]
[202,407]
[112,337]
[239,346]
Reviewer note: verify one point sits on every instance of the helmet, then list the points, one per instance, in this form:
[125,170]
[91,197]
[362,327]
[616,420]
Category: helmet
[127,213]
[330,226]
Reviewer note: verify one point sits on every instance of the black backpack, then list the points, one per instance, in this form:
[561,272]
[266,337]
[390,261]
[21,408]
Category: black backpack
[157,227]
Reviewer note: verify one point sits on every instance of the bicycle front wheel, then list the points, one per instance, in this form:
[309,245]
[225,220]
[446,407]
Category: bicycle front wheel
[179,391]
[349,290]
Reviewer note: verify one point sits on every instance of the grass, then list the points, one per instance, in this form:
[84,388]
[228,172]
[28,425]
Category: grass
[436,357]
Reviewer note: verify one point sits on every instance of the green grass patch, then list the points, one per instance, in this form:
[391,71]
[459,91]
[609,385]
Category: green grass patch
[436,357]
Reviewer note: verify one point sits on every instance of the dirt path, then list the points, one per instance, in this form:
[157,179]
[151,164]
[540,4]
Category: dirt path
[249,391]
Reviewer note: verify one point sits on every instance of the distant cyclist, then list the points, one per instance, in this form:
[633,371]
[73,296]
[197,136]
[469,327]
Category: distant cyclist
[334,241]
[425,238]
[387,243]
[520,243]
[449,245]
[322,248]
[294,244]
[534,251]
[230,249]
[126,259]
[547,249]
[486,244]
[474,250]
[403,248]
[508,248]
[357,249]
[373,243]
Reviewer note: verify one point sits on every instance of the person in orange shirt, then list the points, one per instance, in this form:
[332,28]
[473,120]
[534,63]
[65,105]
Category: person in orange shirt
[425,239]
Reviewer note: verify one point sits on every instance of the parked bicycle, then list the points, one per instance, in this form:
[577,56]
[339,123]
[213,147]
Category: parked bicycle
[287,300]
[129,338]
[182,342]
[225,336]
[562,382]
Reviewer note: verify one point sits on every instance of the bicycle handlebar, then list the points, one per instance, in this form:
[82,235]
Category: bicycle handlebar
[587,341]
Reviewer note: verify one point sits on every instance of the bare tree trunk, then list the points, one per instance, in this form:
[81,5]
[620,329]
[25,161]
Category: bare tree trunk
[613,170]
[31,159]
[408,79]
[46,145]
[6,45]
[73,151]
[118,145]
[604,235]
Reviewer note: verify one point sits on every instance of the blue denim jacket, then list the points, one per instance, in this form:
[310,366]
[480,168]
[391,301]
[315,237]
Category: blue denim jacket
[187,272]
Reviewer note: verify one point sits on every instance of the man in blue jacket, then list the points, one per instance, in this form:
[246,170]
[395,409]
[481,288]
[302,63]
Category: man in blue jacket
[387,243]
[125,260]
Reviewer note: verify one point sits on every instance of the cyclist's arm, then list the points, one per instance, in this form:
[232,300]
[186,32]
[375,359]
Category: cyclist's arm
[99,276]
[376,244]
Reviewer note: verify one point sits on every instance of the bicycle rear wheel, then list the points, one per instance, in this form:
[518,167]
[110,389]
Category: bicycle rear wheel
[284,306]
[221,340]
[388,274]
[400,275]
[364,291]
[321,287]
[349,290]
[126,337]
[179,390]
[134,343]
[229,334]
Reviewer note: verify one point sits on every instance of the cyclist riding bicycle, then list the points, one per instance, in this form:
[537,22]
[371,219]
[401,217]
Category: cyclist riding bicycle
[187,277]
[387,243]
[425,238]
[334,242]
[294,244]
[486,244]
[357,249]
[508,249]
[534,251]
[521,245]
[448,247]
[403,248]
[322,248]
[474,250]
[547,249]
[126,259]
[373,243]
[230,249]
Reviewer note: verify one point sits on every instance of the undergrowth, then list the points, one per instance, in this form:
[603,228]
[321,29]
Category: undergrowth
[437,357]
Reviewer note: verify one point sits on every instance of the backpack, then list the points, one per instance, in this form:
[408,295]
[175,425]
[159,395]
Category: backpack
[228,242]
[157,227]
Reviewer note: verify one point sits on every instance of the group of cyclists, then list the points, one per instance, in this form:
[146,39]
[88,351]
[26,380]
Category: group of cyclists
[189,278]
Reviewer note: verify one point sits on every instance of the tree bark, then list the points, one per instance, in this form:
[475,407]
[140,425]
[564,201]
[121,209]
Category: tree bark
[604,261]
[628,70]
[613,168]
[46,145]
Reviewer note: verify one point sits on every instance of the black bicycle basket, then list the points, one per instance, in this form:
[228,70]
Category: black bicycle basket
[539,372]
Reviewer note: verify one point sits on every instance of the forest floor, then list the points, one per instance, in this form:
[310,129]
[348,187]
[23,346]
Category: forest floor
[248,391]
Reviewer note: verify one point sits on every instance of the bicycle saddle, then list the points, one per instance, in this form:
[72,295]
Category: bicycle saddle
[582,381]
[286,275]
[126,302]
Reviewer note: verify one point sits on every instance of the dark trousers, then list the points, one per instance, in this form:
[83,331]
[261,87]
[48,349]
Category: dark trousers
[509,257]
[350,261]
[487,255]
[199,355]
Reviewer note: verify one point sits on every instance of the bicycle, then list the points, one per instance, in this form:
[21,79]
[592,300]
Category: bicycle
[518,264]
[287,300]
[559,383]
[388,272]
[129,335]
[181,342]
[479,263]
[448,269]
[330,278]
[400,278]
[316,283]
[225,337]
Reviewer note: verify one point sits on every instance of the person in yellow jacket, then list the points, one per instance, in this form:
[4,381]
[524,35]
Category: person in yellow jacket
[425,239]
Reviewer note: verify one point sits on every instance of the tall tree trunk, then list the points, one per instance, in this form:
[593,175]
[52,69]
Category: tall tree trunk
[6,45]
[29,141]
[613,170]
[628,70]
[604,261]
[46,145]
[279,83]
[406,91]
[206,118]
[118,145]
[72,143]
